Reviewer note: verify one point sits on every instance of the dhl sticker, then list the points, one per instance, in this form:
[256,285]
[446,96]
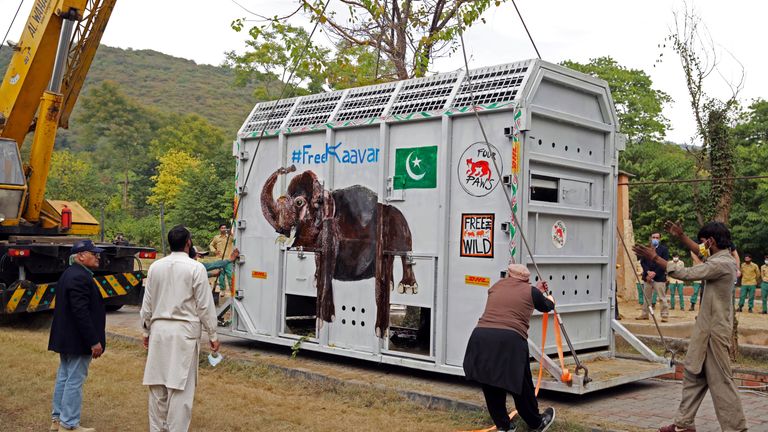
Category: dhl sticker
[258,275]
[477,280]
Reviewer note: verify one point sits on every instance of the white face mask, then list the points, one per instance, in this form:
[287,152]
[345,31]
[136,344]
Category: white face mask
[675,259]
[213,360]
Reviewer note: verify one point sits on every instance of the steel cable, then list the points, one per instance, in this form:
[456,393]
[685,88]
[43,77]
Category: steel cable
[647,301]
[11,25]
[268,119]
[468,78]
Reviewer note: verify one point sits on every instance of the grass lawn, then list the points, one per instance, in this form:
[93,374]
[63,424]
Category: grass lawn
[231,397]
[234,396]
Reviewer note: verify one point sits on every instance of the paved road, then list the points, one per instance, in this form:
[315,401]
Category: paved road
[640,406]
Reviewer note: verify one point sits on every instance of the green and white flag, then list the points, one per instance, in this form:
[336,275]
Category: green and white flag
[416,168]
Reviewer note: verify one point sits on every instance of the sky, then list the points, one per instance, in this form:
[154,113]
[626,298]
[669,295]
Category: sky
[628,31]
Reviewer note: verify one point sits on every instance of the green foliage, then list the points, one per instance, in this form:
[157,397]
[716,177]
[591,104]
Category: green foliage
[193,134]
[638,105]
[274,49]
[356,66]
[375,41]
[272,54]
[721,157]
[652,205]
[750,200]
[167,84]
[144,231]
[169,181]
[121,130]
[296,347]
[74,178]
[206,201]
[179,160]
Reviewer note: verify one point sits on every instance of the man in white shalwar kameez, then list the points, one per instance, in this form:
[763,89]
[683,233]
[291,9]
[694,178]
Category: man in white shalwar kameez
[177,308]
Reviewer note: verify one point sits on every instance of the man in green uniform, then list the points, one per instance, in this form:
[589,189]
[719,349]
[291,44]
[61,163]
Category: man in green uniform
[764,284]
[749,274]
[676,285]
[707,364]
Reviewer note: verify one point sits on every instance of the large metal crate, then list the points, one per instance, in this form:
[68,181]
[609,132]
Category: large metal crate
[553,133]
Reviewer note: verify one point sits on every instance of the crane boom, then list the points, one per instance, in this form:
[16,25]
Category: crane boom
[82,49]
[38,93]
[29,71]
[44,79]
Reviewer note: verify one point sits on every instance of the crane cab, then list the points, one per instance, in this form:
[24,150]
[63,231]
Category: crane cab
[13,185]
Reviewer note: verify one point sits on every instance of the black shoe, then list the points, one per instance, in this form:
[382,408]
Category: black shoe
[692,306]
[750,310]
[740,309]
[764,312]
[547,418]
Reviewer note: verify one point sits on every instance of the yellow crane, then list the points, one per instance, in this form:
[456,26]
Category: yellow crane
[37,95]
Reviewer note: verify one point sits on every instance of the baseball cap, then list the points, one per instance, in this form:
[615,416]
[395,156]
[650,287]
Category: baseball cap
[85,246]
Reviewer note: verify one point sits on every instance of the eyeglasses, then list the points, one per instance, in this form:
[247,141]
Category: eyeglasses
[97,255]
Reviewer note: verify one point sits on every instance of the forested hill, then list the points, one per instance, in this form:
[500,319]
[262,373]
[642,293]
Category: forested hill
[169,84]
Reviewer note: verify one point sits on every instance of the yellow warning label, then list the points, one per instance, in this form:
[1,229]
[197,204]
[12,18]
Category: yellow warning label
[258,275]
[477,280]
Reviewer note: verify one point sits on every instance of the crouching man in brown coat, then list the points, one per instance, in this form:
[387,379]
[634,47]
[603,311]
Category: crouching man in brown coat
[707,364]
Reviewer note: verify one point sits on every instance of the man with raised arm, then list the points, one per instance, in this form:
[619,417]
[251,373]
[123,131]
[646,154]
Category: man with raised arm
[707,364]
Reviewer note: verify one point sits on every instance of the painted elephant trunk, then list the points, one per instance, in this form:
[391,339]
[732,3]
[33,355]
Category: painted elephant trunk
[269,206]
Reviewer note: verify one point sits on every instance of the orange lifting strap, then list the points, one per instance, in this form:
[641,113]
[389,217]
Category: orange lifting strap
[565,377]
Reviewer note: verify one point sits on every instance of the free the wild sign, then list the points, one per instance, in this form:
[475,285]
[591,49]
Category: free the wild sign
[477,235]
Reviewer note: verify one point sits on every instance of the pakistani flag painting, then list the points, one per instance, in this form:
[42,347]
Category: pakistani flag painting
[416,168]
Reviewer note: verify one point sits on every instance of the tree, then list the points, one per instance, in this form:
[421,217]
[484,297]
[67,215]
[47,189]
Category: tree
[121,131]
[194,136]
[397,40]
[169,180]
[638,105]
[357,66]
[273,52]
[750,200]
[72,177]
[713,117]
[652,205]
[410,34]
[206,202]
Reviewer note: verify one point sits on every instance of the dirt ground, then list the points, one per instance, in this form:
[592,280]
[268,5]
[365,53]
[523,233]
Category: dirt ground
[631,309]
[231,397]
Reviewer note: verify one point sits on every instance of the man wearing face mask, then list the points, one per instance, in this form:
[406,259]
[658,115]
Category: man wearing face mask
[749,274]
[177,308]
[707,363]
[676,285]
[655,277]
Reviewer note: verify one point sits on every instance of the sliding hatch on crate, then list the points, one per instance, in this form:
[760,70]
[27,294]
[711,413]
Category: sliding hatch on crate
[373,220]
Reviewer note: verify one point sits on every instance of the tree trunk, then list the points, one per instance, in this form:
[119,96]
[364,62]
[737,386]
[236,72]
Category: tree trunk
[721,157]
[125,192]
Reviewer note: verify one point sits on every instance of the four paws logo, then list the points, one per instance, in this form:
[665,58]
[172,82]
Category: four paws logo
[477,172]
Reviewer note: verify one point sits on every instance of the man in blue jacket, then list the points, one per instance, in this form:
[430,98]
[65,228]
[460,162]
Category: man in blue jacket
[655,277]
[77,334]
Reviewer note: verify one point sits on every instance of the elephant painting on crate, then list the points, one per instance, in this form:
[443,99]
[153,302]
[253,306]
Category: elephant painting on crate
[353,236]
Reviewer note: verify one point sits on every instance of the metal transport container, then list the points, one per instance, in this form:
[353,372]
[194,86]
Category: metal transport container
[373,220]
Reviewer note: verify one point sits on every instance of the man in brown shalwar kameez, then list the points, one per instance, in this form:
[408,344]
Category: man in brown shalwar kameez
[707,363]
